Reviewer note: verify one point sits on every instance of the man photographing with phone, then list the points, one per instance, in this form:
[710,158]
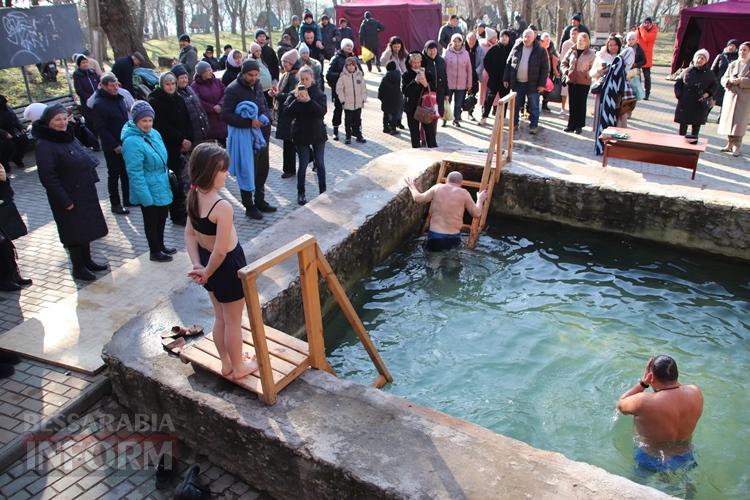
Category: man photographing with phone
[664,419]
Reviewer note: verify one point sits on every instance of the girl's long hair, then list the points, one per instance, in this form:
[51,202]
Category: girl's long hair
[402,54]
[207,160]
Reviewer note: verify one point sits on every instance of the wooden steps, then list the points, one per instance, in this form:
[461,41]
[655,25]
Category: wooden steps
[492,163]
[282,358]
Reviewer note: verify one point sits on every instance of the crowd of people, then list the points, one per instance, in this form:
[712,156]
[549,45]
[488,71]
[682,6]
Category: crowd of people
[147,144]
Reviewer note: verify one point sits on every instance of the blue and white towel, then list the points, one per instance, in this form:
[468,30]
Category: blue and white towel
[242,143]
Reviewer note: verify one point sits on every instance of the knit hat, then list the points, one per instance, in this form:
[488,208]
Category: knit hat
[254,46]
[430,44]
[303,49]
[184,38]
[209,48]
[489,33]
[290,56]
[202,67]
[346,42]
[80,58]
[107,78]
[457,35]
[295,18]
[734,42]
[166,76]
[250,65]
[141,109]
[178,70]
[52,111]
[307,14]
[577,17]
[701,52]
[350,60]
[260,32]
[34,111]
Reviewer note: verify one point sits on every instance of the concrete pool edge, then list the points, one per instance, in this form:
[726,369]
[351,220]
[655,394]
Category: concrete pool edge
[327,435]
[681,219]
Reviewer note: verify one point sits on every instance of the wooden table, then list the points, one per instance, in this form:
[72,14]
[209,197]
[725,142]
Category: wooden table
[652,147]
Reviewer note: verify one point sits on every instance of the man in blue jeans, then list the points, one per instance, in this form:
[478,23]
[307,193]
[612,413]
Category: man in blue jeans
[526,74]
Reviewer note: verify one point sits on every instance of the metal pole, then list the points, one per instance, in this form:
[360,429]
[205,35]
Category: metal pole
[67,77]
[26,83]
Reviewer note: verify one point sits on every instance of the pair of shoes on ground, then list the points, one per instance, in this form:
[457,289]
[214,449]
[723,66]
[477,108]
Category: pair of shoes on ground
[359,139]
[163,255]
[174,339]
[287,175]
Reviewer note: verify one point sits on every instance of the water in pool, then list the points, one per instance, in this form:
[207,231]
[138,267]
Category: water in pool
[537,332]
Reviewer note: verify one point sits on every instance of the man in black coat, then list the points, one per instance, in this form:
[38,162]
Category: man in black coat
[345,31]
[448,30]
[331,37]
[13,139]
[332,77]
[123,69]
[494,63]
[293,31]
[223,58]
[436,69]
[526,73]
[268,55]
[577,22]
[247,88]
[208,56]
[110,115]
[308,39]
[368,37]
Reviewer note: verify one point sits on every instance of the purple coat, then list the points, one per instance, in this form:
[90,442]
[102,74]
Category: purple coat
[210,93]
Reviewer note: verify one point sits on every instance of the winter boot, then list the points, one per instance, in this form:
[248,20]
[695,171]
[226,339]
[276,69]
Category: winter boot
[250,209]
[335,133]
[88,262]
[80,271]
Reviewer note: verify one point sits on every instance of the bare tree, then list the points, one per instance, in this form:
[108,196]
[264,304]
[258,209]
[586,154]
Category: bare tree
[179,12]
[117,22]
[217,29]
[297,7]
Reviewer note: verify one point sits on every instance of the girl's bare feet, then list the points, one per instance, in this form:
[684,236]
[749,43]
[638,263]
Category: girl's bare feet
[245,369]
[226,367]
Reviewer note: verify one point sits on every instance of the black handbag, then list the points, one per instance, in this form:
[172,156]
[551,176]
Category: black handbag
[469,104]
[556,94]
[11,221]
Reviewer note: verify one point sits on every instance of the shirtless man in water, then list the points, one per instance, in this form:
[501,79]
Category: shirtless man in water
[448,203]
[665,419]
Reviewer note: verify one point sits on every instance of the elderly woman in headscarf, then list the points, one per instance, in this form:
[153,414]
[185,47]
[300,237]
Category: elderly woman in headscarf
[234,64]
[693,90]
[735,111]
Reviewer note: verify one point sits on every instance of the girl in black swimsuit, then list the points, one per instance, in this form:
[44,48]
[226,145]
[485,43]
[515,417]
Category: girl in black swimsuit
[216,267]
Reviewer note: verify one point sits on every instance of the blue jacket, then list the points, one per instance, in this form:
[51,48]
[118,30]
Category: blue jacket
[146,162]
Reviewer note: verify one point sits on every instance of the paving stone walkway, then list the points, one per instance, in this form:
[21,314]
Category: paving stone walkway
[38,390]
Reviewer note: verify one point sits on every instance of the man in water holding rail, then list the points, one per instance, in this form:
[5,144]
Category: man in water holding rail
[448,203]
[665,419]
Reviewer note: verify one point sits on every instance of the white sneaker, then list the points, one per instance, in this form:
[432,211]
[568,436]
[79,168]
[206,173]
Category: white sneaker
[483,122]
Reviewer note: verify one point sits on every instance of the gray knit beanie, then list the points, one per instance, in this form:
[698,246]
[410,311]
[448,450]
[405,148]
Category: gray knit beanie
[141,109]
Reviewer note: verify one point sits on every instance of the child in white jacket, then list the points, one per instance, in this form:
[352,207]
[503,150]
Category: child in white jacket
[352,92]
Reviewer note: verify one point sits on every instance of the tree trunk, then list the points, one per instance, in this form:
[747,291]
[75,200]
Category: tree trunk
[117,22]
[243,24]
[215,15]
[8,3]
[179,12]
[297,7]
[141,22]
[527,10]
[269,28]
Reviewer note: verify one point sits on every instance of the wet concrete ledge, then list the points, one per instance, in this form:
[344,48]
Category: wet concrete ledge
[326,437]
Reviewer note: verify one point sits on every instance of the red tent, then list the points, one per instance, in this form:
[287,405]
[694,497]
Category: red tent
[710,27]
[414,21]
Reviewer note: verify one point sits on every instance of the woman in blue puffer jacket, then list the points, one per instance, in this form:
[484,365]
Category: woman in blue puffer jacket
[146,162]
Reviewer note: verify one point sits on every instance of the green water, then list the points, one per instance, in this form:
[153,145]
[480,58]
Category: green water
[537,332]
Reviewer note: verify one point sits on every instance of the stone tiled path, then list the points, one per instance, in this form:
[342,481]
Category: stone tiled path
[86,462]
[37,390]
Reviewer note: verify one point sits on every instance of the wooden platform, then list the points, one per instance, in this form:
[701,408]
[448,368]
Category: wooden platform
[289,358]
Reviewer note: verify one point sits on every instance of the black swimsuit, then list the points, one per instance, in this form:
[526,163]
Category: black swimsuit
[224,282]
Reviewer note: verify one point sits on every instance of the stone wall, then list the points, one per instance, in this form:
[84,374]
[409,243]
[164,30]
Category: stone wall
[712,227]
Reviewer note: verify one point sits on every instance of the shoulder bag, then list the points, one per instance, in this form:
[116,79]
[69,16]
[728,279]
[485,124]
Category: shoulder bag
[426,114]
